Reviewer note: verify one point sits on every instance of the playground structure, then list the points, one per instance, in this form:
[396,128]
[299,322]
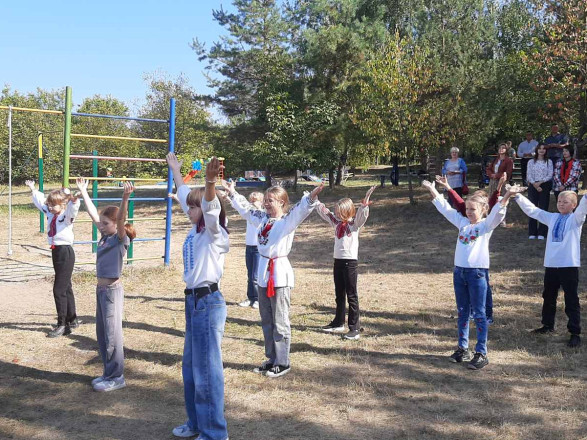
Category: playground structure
[95,157]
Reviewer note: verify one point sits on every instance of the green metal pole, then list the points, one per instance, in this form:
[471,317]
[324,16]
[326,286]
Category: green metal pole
[67,137]
[41,178]
[131,214]
[94,196]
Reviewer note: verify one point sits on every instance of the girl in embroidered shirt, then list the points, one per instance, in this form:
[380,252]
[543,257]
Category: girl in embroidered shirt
[471,265]
[61,209]
[347,223]
[112,247]
[275,233]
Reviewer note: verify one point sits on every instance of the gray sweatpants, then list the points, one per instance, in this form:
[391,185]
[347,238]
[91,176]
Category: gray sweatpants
[275,323]
[109,305]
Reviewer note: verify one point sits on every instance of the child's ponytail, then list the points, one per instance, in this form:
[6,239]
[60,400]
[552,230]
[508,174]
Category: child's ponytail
[131,232]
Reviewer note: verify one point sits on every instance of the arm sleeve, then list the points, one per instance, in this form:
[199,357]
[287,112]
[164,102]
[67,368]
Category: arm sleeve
[581,211]
[246,209]
[550,169]
[509,168]
[298,214]
[452,215]
[574,175]
[71,211]
[532,211]
[457,202]
[325,214]
[444,168]
[530,172]
[39,200]
[493,199]
[496,216]
[361,216]
[182,196]
[211,213]
[556,177]
[463,166]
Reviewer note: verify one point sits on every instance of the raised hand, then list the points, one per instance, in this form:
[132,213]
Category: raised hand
[128,189]
[82,184]
[172,161]
[427,184]
[230,186]
[516,189]
[504,178]
[443,181]
[366,201]
[212,170]
[316,191]
[30,184]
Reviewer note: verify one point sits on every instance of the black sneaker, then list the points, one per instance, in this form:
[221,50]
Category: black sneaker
[478,362]
[460,355]
[331,328]
[75,324]
[62,330]
[575,341]
[264,368]
[278,370]
[543,330]
[352,335]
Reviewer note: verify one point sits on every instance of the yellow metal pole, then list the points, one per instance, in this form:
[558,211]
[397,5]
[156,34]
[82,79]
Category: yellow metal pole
[32,110]
[122,138]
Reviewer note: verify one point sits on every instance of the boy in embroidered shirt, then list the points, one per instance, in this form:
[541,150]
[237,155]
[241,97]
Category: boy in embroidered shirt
[347,223]
[275,233]
[61,209]
[205,309]
[562,259]
[471,265]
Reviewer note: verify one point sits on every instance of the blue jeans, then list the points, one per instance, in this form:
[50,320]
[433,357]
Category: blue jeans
[470,292]
[203,375]
[252,260]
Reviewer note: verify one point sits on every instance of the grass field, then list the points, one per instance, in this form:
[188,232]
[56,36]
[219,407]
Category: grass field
[393,383]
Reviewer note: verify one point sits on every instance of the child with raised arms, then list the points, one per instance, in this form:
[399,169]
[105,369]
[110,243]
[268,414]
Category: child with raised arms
[115,239]
[276,228]
[471,265]
[562,259]
[347,222]
[205,308]
[61,209]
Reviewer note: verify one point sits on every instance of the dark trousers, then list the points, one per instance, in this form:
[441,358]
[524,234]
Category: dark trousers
[252,261]
[345,287]
[568,279]
[524,166]
[540,200]
[63,261]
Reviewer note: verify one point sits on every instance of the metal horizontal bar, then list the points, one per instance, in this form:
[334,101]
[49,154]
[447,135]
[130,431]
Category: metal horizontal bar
[136,239]
[134,199]
[31,110]
[139,219]
[122,138]
[123,179]
[132,159]
[126,261]
[128,118]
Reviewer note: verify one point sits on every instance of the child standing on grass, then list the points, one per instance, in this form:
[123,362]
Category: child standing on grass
[112,246]
[61,209]
[346,222]
[562,259]
[471,266]
[276,227]
[252,254]
[205,308]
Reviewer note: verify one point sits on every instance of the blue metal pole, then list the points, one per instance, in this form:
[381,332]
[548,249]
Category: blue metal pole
[166,256]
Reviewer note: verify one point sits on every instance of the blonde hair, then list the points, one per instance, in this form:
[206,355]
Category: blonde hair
[58,197]
[346,209]
[281,195]
[482,200]
[569,194]
[255,195]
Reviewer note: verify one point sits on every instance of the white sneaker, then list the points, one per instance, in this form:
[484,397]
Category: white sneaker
[255,304]
[541,237]
[97,380]
[110,385]
[532,237]
[245,303]
[184,431]
[331,329]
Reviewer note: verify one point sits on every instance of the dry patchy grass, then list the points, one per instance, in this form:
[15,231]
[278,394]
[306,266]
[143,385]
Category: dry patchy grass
[395,382]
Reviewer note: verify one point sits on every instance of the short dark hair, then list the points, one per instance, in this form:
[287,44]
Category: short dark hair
[570,148]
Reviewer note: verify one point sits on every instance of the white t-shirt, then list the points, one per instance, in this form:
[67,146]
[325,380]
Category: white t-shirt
[63,223]
[346,247]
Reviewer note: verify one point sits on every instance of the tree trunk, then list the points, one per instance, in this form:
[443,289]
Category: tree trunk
[267,178]
[339,173]
[295,184]
[331,178]
[410,188]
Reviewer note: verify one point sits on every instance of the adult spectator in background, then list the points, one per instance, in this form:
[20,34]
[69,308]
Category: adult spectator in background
[555,144]
[455,171]
[501,164]
[567,172]
[540,172]
[525,153]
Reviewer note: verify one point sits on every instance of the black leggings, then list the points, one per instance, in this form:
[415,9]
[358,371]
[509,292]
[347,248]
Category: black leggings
[63,261]
[345,287]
